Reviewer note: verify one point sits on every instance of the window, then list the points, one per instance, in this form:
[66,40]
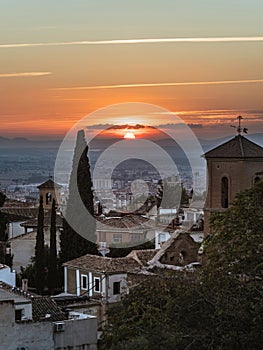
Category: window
[182,256]
[84,282]
[224,192]
[48,198]
[136,237]
[117,238]
[97,284]
[102,236]
[18,315]
[116,288]
[257,179]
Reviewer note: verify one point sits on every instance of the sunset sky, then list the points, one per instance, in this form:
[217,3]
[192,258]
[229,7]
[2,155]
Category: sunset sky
[61,60]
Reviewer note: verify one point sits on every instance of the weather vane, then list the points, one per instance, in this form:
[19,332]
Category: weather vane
[239,128]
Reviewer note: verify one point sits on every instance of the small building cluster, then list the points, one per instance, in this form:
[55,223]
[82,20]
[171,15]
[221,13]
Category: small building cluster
[70,320]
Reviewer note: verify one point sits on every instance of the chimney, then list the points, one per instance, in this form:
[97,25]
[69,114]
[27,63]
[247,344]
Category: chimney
[25,284]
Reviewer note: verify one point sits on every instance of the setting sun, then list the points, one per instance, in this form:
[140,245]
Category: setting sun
[129,135]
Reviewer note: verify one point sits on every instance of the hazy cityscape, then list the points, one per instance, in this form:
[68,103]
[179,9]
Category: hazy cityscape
[131,175]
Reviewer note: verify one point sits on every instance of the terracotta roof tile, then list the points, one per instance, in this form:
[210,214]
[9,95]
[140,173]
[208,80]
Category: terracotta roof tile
[103,264]
[142,256]
[49,184]
[237,147]
[47,221]
[19,214]
[42,307]
[175,236]
[127,223]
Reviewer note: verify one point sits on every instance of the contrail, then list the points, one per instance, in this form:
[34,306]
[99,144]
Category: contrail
[121,86]
[26,74]
[138,41]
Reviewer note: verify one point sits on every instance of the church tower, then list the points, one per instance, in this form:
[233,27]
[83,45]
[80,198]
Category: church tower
[49,190]
[231,167]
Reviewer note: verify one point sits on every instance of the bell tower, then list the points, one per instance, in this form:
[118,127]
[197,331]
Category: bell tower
[49,190]
[231,167]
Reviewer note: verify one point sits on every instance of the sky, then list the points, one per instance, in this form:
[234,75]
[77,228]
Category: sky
[62,60]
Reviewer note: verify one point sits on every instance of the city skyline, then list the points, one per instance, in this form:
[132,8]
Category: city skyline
[200,61]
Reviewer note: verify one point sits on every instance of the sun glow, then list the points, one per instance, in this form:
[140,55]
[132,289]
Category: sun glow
[129,135]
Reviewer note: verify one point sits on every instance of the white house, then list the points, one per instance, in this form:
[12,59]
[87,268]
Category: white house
[98,277]
[7,275]
[32,322]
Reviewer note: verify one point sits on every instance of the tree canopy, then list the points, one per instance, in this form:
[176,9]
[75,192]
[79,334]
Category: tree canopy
[73,244]
[40,250]
[170,195]
[217,307]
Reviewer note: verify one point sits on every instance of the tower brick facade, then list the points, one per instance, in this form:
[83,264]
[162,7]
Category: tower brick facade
[231,167]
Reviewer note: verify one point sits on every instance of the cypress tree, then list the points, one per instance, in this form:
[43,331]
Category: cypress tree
[3,227]
[73,244]
[52,259]
[5,258]
[2,199]
[40,251]
[3,219]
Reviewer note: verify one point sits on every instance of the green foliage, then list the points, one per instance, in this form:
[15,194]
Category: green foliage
[170,195]
[39,251]
[74,245]
[53,280]
[3,220]
[237,240]
[29,271]
[3,227]
[2,198]
[218,307]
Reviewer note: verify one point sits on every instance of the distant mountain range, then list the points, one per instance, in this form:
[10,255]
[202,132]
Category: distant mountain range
[103,143]
[206,144]
[21,142]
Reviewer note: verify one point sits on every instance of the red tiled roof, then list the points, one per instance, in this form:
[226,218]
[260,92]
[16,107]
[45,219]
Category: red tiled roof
[47,222]
[42,307]
[49,184]
[19,214]
[175,236]
[142,256]
[103,264]
[127,222]
[237,147]
[13,203]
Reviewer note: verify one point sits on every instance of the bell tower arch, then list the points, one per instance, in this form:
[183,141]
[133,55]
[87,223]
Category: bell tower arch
[231,167]
[49,190]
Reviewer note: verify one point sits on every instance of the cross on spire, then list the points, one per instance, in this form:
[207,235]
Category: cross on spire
[239,128]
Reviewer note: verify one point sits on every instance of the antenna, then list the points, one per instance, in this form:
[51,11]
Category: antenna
[239,128]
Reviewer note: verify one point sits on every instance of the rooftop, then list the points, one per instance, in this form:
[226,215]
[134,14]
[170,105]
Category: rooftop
[104,264]
[49,184]
[129,222]
[19,213]
[44,308]
[237,147]
[142,256]
[47,221]
[178,234]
